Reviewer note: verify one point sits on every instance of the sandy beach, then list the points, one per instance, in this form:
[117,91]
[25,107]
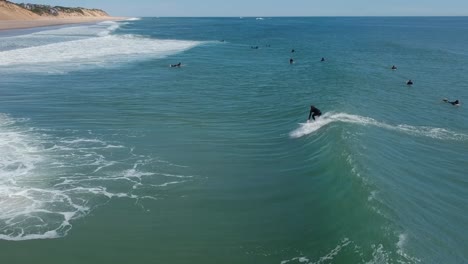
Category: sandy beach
[21,24]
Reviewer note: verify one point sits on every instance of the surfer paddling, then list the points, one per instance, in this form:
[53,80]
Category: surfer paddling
[455,103]
[176,65]
[313,113]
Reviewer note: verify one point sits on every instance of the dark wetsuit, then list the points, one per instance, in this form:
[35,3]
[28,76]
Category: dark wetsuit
[314,112]
[456,102]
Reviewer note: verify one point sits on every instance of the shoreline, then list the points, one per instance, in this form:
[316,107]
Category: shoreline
[34,23]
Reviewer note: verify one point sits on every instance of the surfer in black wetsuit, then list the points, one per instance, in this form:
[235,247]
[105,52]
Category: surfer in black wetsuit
[409,82]
[176,65]
[322,59]
[394,67]
[456,102]
[292,51]
[291,61]
[314,112]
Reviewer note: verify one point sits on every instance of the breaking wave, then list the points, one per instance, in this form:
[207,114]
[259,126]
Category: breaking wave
[328,118]
[73,48]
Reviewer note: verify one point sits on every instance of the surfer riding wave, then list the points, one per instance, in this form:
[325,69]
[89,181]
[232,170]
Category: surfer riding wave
[330,117]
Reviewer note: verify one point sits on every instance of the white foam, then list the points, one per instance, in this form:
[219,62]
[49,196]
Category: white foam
[134,19]
[324,259]
[299,259]
[329,257]
[402,241]
[372,196]
[378,254]
[93,51]
[99,29]
[167,184]
[113,26]
[42,190]
[327,118]
[72,48]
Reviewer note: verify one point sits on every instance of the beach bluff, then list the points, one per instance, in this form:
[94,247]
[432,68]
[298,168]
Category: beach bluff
[10,10]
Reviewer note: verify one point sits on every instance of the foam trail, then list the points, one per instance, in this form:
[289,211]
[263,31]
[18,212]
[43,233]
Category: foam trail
[327,118]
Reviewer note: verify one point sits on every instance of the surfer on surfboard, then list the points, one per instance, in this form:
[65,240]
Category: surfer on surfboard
[176,65]
[313,113]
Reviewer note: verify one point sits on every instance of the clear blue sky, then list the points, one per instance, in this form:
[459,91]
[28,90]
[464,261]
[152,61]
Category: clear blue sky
[271,7]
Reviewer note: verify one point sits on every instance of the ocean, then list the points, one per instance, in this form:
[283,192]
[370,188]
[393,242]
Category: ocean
[108,155]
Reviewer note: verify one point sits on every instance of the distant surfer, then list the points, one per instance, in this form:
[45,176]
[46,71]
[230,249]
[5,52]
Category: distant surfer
[322,59]
[292,51]
[409,82]
[456,102]
[313,113]
[176,65]
[291,61]
[394,67]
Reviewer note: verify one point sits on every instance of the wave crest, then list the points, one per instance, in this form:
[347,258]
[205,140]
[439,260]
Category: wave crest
[327,118]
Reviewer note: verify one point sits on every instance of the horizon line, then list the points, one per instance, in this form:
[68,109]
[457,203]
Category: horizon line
[280,16]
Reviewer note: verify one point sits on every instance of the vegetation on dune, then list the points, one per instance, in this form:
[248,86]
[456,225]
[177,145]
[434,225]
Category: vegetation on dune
[47,10]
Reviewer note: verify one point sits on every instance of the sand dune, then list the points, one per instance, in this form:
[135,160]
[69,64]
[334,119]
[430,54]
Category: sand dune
[9,11]
[13,16]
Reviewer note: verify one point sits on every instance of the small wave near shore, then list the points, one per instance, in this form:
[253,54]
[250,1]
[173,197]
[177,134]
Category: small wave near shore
[83,46]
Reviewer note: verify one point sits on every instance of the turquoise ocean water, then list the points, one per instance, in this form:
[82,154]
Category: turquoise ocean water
[108,155]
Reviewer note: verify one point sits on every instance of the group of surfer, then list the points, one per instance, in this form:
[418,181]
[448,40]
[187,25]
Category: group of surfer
[291,60]
[315,112]
[410,82]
